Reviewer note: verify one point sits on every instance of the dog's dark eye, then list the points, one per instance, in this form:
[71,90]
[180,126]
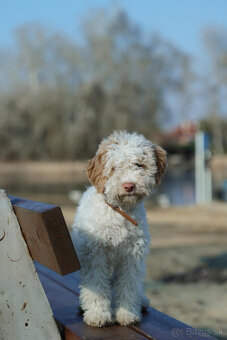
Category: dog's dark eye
[139,165]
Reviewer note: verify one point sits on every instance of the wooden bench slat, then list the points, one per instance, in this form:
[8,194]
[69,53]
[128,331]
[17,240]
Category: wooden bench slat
[65,305]
[154,325]
[46,234]
[30,205]
[69,281]
[163,327]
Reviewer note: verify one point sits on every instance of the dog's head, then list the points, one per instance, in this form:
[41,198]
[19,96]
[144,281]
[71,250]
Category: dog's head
[126,167]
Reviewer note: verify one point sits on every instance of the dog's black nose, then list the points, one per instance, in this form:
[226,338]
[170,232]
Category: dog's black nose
[129,186]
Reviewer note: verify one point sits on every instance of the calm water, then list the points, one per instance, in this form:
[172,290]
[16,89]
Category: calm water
[177,187]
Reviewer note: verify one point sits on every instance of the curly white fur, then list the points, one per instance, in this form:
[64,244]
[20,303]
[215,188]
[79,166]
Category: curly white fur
[111,249]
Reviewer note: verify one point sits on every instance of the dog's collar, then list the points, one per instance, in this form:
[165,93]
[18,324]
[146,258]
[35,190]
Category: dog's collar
[129,218]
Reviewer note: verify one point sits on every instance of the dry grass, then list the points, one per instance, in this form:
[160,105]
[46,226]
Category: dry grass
[206,218]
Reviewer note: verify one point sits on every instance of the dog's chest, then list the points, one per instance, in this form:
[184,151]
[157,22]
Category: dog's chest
[122,236]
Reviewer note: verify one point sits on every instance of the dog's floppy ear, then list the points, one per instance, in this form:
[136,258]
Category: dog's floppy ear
[161,162]
[94,171]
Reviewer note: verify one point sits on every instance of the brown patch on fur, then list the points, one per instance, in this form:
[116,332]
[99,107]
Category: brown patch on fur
[161,162]
[96,166]
[94,171]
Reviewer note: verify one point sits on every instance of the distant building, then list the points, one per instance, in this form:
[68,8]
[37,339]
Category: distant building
[179,182]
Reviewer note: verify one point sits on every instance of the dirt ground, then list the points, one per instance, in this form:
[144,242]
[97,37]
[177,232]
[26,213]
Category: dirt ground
[187,267]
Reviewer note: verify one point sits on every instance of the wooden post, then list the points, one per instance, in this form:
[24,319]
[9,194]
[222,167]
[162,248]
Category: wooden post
[46,234]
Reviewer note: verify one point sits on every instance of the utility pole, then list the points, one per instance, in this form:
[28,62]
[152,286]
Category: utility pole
[203,178]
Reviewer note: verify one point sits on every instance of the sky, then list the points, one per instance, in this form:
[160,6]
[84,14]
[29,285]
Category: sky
[179,21]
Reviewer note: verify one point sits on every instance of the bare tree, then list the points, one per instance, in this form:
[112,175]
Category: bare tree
[62,96]
[216,84]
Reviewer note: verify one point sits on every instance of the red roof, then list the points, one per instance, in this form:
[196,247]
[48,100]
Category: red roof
[182,134]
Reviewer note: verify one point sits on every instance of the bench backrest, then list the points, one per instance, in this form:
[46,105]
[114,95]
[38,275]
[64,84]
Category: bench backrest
[46,234]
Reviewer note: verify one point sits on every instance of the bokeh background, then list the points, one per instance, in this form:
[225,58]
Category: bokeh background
[72,72]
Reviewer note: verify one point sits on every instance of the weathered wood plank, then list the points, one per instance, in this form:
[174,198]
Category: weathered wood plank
[163,327]
[70,281]
[65,303]
[154,324]
[46,234]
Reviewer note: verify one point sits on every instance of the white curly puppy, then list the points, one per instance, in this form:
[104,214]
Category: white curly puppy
[111,249]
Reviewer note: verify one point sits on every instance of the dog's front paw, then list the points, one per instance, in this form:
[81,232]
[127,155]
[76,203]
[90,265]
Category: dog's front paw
[126,318]
[97,318]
